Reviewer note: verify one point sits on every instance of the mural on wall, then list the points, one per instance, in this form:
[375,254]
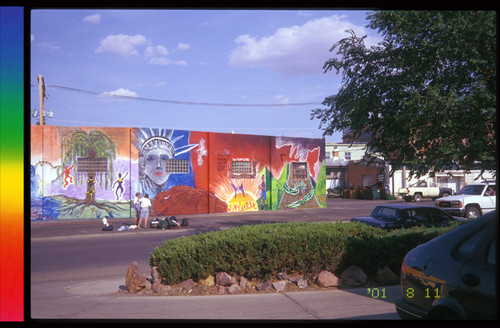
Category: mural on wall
[302,181]
[79,178]
[166,172]
[268,173]
[83,172]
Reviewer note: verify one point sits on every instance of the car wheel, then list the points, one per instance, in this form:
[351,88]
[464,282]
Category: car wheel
[471,212]
[445,194]
[417,197]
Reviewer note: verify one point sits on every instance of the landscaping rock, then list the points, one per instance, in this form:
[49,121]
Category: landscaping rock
[327,279]
[187,284]
[156,287]
[386,277]
[221,290]
[301,283]
[155,275]
[243,282]
[209,281]
[295,278]
[164,290]
[353,276]
[135,280]
[282,276]
[234,289]
[264,286]
[280,285]
[223,279]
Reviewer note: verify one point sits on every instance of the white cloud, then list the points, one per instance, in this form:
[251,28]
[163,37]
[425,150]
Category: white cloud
[120,92]
[32,38]
[183,46]
[163,61]
[94,19]
[124,45]
[129,45]
[293,50]
[47,46]
[154,51]
[282,99]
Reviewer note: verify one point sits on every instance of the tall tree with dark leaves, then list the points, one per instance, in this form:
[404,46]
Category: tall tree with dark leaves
[427,92]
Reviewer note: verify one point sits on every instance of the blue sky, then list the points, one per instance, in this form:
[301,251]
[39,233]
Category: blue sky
[200,70]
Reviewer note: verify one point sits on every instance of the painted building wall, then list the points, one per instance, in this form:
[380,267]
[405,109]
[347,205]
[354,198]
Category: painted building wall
[89,172]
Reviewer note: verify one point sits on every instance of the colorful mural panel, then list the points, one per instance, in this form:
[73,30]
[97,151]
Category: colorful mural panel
[83,172]
[80,172]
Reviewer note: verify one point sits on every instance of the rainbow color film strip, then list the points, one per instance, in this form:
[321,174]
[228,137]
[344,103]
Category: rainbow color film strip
[11,164]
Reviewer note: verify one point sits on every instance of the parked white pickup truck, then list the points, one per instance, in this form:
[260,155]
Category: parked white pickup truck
[472,201]
[424,189]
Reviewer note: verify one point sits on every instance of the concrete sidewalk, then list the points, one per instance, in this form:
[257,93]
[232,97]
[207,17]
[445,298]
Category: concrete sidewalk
[103,300]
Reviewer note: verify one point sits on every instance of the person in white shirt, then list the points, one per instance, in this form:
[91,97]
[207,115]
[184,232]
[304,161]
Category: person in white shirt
[145,204]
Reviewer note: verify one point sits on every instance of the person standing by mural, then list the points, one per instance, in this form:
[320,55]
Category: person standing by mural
[137,205]
[145,205]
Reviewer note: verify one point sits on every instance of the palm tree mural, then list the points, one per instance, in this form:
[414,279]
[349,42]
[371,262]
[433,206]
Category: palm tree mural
[93,154]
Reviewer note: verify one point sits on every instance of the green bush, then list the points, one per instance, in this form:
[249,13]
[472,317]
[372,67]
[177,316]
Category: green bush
[264,250]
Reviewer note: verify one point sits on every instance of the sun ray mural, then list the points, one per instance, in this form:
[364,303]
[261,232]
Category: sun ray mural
[239,194]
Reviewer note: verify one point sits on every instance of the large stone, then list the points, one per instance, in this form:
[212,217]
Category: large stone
[264,286]
[243,282]
[234,289]
[353,276]
[282,276]
[135,280]
[327,279]
[301,283]
[223,279]
[164,290]
[156,286]
[280,285]
[209,281]
[221,290]
[187,284]
[295,277]
[386,277]
[155,275]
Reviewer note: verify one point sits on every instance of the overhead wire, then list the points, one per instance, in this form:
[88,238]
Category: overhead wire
[109,94]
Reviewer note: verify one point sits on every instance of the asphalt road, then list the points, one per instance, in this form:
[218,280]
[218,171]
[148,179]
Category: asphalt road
[68,257]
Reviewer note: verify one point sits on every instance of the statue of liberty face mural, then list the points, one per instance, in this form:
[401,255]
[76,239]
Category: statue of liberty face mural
[156,148]
[156,151]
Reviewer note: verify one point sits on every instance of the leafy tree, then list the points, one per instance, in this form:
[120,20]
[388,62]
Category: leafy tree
[427,92]
[94,144]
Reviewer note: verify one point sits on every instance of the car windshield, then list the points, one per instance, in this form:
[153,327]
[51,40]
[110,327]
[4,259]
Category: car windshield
[471,190]
[386,213]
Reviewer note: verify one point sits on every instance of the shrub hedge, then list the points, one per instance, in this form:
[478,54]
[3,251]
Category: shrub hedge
[262,251]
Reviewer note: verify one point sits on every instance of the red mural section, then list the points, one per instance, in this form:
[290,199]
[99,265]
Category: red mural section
[234,167]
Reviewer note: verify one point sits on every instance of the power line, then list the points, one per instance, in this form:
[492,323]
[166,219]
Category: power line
[107,94]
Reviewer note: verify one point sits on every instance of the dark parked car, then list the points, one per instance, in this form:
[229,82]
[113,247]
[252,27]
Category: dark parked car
[452,276]
[396,216]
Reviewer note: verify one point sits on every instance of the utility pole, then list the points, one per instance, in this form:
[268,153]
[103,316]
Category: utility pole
[41,89]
